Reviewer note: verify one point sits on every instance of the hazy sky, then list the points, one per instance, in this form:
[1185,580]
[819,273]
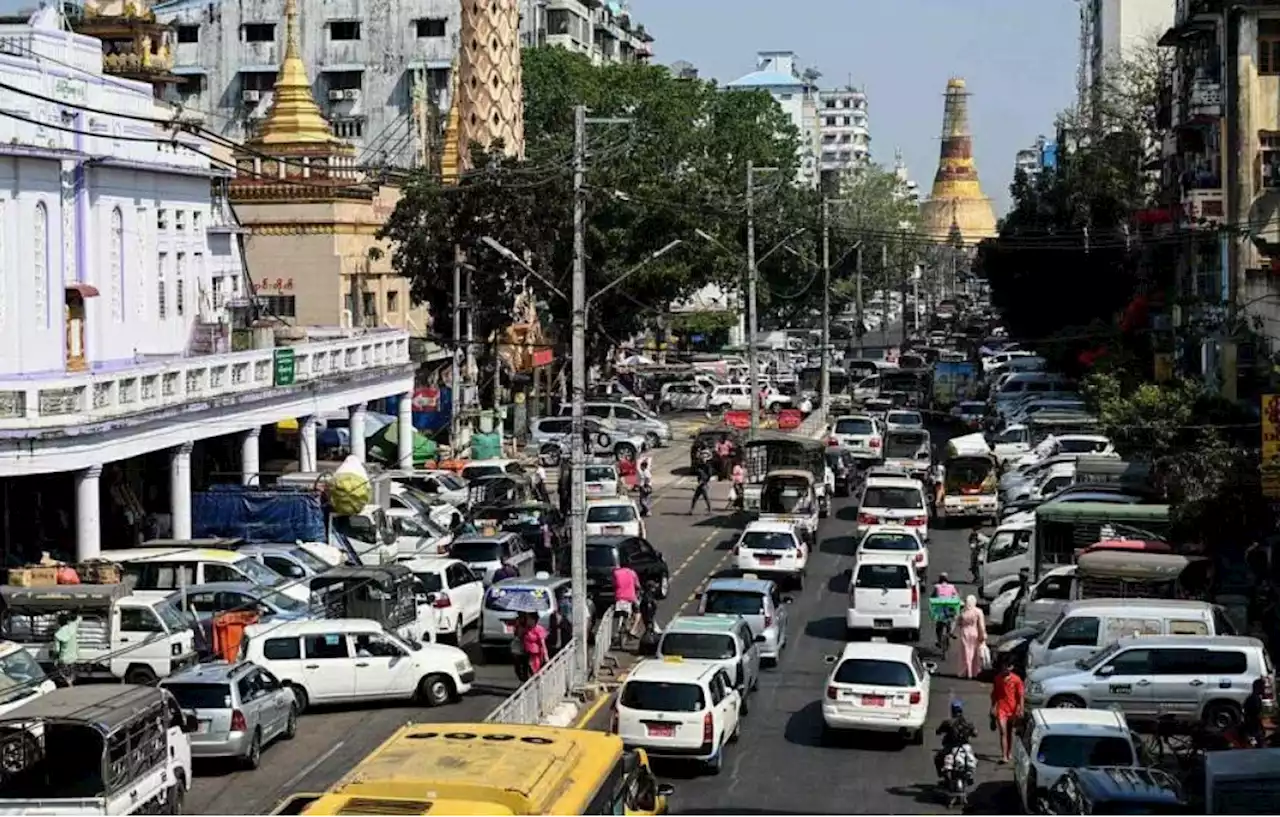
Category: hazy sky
[1018,56]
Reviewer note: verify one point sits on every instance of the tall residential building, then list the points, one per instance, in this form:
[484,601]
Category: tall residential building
[382,73]
[1111,30]
[776,72]
[846,137]
[1036,159]
[108,280]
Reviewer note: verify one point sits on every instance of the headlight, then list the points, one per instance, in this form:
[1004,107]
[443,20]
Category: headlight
[462,666]
[1035,688]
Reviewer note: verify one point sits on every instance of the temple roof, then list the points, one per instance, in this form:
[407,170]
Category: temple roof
[294,119]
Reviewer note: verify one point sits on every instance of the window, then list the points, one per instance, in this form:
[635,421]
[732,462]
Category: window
[40,253]
[197,220]
[1270,146]
[1269,46]
[281,306]
[188,34]
[345,30]
[658,696]
[892,541]
[1081,631]
[139,620]
[141,218]
[329,645]
[162,289]
[162,219]
[259,32]
[180,220]
[734,603]
[180,293]
[434,27]
[829,121]
[1076,751]
[1131,662]
[894,499]
[1225,662]
[375,645]
[393,302]
[875,672]
[201,696]
[883,577]
[1057,588]
[784,97]
[115,265]
[281,649]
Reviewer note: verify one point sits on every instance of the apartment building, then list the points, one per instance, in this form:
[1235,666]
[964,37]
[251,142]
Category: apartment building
[1111,30]
[777,73]
[846,136]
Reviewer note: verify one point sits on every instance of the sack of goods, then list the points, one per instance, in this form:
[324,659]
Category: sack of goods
[350,490]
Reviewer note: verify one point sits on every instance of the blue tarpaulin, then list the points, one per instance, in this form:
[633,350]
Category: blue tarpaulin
[257,516]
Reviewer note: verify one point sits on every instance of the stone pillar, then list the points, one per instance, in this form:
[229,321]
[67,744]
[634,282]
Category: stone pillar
[88,513]
[307,445]
[249,461]
[356,425]
[404,438]
[180,490]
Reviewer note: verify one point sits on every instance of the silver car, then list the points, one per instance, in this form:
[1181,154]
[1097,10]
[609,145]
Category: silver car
[485,554]
[550,437]
[240,708]
[628,419]
[759,602]
[508,598]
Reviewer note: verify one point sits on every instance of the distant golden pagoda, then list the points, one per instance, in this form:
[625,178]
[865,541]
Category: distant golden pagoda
[956,205]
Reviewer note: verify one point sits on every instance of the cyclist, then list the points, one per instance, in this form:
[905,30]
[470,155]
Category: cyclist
[944,614]
[626,597]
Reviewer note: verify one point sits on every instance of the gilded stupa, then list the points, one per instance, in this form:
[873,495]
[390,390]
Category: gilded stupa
[956,204]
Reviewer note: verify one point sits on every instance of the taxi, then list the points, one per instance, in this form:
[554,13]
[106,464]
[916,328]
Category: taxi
[772,549]
[614,516]
[675,708]
[896,540]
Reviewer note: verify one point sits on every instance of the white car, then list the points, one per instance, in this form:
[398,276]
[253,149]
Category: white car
[901,420]
[860,434]
[444,485]
[880,688]
[602,480]
[893,501]
[1056,740]
[896,540]
[884,599]
[680,709]
[772,549]
[616,516]
[453,590]
[738,397]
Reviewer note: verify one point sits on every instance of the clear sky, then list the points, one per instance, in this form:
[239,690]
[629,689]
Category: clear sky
[1018,56]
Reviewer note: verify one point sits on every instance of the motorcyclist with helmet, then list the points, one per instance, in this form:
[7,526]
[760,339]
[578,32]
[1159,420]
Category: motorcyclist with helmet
[957,735]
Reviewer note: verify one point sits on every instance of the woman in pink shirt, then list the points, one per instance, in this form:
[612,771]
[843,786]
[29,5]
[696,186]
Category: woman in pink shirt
[535,644]
[626,595]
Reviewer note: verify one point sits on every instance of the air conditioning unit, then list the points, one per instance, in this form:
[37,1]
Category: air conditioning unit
[353,94]
[341,94]
[251,96]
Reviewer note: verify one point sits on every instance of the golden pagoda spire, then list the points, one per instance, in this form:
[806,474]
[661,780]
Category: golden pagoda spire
[294,118]
[451,160]
[957,204]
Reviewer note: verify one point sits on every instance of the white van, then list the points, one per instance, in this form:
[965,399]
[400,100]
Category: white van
[355,660]
[1008,552]
[158,571]
[129,637]
[1085,626]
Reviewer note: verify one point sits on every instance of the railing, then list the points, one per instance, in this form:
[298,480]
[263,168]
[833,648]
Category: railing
[815,424]
[540,695]
[63,400]
[601,662]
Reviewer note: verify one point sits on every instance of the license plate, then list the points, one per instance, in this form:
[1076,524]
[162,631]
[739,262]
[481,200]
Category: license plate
[508,627]
[883,623]
[662,730]
[594,489]
[202,727]
[971,500]
[613,529]
[768,560]
[873,700]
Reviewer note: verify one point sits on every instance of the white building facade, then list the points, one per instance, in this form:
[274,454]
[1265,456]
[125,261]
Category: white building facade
[110,247]
[381,78]
[846,134]
[777,73]
[1113,30]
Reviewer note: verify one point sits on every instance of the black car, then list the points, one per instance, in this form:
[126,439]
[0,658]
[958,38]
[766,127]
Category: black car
[845,467]
[604,553]
[1115,790]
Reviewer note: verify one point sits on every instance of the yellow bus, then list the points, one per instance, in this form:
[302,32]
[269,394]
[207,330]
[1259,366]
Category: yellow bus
[492,768]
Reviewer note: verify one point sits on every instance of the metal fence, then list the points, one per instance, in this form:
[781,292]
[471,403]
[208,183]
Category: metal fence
[814,424]
[601,662]
[540,695]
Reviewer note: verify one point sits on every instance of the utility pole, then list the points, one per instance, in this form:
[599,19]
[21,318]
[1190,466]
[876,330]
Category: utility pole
[859,328]
[753,365]
[902,289]
[578,510]
[826,306]
[455,391]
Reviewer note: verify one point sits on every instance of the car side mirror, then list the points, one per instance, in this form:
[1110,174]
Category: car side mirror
[1106,672]
[931,667]
[828,659]
[666,790]
[760,639]
[787,600]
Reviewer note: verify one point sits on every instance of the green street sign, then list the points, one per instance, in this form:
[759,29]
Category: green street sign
[285,367]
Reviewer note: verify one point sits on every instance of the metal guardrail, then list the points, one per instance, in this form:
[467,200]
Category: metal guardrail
[814,424]
[541,694]
[601,662]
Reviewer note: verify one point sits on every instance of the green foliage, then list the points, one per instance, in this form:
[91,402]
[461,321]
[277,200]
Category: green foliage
[1147,423]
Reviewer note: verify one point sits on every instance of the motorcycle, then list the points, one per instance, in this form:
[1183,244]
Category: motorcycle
[959,766]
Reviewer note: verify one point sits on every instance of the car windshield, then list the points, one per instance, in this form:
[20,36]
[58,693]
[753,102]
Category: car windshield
[19,674]
[1077,751]
[894,499]
[854,426]
[258,573]
[891,541]
[874,672]
[419,502]
[734,602]
[478,471]
[882,577]
[783,495]
[699,646]
[904,418]
[429,582]
[310,562]
[284,603]
[476,551]
[656,696]
[611,513]
[767,540]
[1081,446]
[201,696]
[601,557]
[600,473]
[518,599]
[450,482]
[1093,661]
[1007,543]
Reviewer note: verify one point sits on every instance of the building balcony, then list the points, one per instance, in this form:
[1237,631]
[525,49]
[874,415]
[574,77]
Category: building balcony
[1205,99]
[38,404]
[1204,203]
[135,64]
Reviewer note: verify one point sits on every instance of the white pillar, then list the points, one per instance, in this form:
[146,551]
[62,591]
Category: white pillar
[180,490]
[356,426]
[307,445]
[88,513]
[249,462]
[404,439]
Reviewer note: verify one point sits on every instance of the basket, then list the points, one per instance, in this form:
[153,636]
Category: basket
[99,572]
[945,608]
[34,576]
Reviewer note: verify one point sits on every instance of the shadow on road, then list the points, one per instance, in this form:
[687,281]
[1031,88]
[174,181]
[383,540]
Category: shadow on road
[830,628]
[839,545]
[805,728]
[847,513]
[839,583]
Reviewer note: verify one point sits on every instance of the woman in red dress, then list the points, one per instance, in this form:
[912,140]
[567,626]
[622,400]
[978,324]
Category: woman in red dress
[1008,695]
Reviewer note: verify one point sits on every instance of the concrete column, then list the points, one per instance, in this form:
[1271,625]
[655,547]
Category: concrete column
[180,490]
[404,440]
[356,425]
[88,513]
[307,445]
[250,464]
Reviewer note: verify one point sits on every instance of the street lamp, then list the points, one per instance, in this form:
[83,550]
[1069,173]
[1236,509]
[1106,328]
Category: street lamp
[509,254]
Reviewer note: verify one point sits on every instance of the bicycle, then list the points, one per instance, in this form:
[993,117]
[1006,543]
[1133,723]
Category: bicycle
[943,611]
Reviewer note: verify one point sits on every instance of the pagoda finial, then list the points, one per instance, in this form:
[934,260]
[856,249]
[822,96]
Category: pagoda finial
[294,118]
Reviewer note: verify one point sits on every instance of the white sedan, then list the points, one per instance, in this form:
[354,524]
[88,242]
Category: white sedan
[615,516]
[772,548]
[878,687]
[896,540]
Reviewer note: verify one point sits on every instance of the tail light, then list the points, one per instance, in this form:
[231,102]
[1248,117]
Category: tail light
[768,622]
[832,441]
[708,728]
[442,601]
[735,550]
[915,597]
[238,723]
[919,558]
[831,693]
[442,548]
[915,697]
[917,521]
[875,442]
[867,519]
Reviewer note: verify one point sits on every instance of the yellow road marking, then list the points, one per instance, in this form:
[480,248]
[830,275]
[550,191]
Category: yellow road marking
[701,547]
[585,717]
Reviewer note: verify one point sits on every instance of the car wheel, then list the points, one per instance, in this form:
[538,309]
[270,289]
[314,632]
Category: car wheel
[744,709]
[550,455]
[175,795]
[624,451]
[455,638]
[653,440]
[800,581]
[916,738]
[913,635]
[716,762]
[142,676]
[1222,716]
[664,586]
[253,758]
[300,698]
[291,725]
[435,690]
